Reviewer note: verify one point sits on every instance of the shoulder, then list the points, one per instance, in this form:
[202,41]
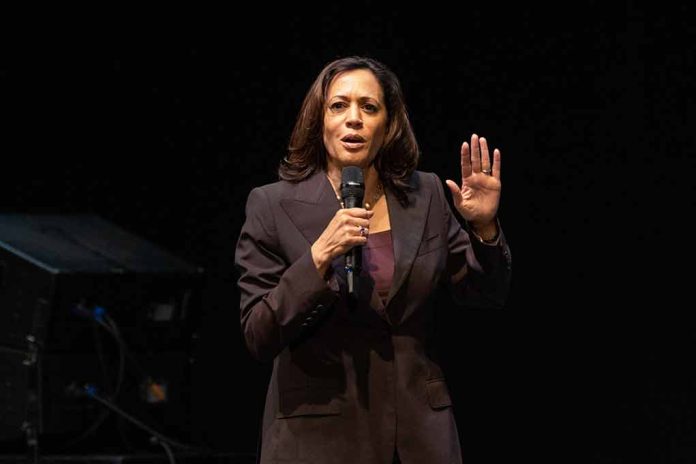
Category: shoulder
[429,184]
[425,181]
[260,200]
[261,206]
[273,188]
[271,192]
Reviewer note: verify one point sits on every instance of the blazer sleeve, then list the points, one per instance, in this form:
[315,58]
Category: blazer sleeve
[483,270]
[279,300]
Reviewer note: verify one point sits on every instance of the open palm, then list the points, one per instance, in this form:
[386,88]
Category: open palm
[478,197]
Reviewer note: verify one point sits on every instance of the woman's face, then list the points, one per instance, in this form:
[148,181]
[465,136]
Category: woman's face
[355,119]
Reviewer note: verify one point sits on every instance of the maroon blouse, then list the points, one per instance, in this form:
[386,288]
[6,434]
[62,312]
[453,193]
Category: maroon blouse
[378,262]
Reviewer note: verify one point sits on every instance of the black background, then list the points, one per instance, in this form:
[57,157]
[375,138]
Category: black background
[163,125]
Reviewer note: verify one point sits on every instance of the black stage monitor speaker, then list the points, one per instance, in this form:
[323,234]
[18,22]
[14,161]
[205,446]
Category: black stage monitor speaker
[83,301]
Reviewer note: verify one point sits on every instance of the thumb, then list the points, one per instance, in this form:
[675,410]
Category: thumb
[454,188]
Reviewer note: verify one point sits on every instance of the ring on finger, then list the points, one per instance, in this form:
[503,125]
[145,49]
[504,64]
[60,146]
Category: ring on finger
[363,230]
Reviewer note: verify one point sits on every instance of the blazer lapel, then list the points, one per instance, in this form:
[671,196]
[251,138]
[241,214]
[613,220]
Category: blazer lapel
[407,227]
[313,206]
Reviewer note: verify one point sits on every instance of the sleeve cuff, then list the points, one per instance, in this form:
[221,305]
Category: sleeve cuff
[493,242]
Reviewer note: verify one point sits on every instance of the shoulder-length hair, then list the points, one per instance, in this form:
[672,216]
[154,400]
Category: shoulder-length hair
[396,159]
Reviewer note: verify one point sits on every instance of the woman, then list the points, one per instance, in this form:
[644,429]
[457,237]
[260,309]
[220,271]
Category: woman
[353,379]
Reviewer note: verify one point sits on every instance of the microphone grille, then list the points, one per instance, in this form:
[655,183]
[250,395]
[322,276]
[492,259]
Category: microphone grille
[352,183]
[352,174]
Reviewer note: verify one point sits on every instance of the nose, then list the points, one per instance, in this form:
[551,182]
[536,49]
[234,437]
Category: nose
[354,119]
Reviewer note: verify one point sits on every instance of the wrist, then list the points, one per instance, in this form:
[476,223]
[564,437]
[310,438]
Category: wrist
[485,232]
[321,260]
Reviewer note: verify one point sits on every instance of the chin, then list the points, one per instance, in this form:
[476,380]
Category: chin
[361,163]
[355,159]
[343,158]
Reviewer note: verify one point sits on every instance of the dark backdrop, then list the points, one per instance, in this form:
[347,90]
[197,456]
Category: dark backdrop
[164,126]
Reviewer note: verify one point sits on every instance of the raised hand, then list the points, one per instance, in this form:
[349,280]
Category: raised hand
[478,197]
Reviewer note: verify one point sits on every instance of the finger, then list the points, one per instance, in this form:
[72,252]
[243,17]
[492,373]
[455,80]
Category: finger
[465,161]
[350,225]
[475,154]
[349,243]
[350,231]
[363,230]
[485,159]
[496,163]
[354,232]
[360,222]
[359,212]
[356,240]
[456,192]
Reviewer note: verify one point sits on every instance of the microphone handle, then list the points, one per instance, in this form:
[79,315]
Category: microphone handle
[353,263]
[354,255]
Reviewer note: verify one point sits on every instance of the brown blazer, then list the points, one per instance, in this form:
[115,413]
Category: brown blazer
[347,385]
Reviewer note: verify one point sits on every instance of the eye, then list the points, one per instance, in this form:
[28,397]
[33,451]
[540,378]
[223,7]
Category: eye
[370,108]
[337,106]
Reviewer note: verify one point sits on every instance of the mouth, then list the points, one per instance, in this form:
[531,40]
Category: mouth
[353,141]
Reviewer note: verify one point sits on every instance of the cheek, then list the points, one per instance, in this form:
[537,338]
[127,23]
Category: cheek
[327,144]
[326,135]
[379,135]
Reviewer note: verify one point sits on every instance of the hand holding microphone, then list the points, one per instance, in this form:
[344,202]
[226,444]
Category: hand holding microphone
[347,231]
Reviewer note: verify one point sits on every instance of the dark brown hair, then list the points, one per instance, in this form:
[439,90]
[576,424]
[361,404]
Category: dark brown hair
[396,159]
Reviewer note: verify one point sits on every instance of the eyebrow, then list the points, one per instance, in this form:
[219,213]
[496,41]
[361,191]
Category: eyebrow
[361,99]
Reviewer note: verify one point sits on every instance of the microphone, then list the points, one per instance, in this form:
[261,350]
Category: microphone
[352,193]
